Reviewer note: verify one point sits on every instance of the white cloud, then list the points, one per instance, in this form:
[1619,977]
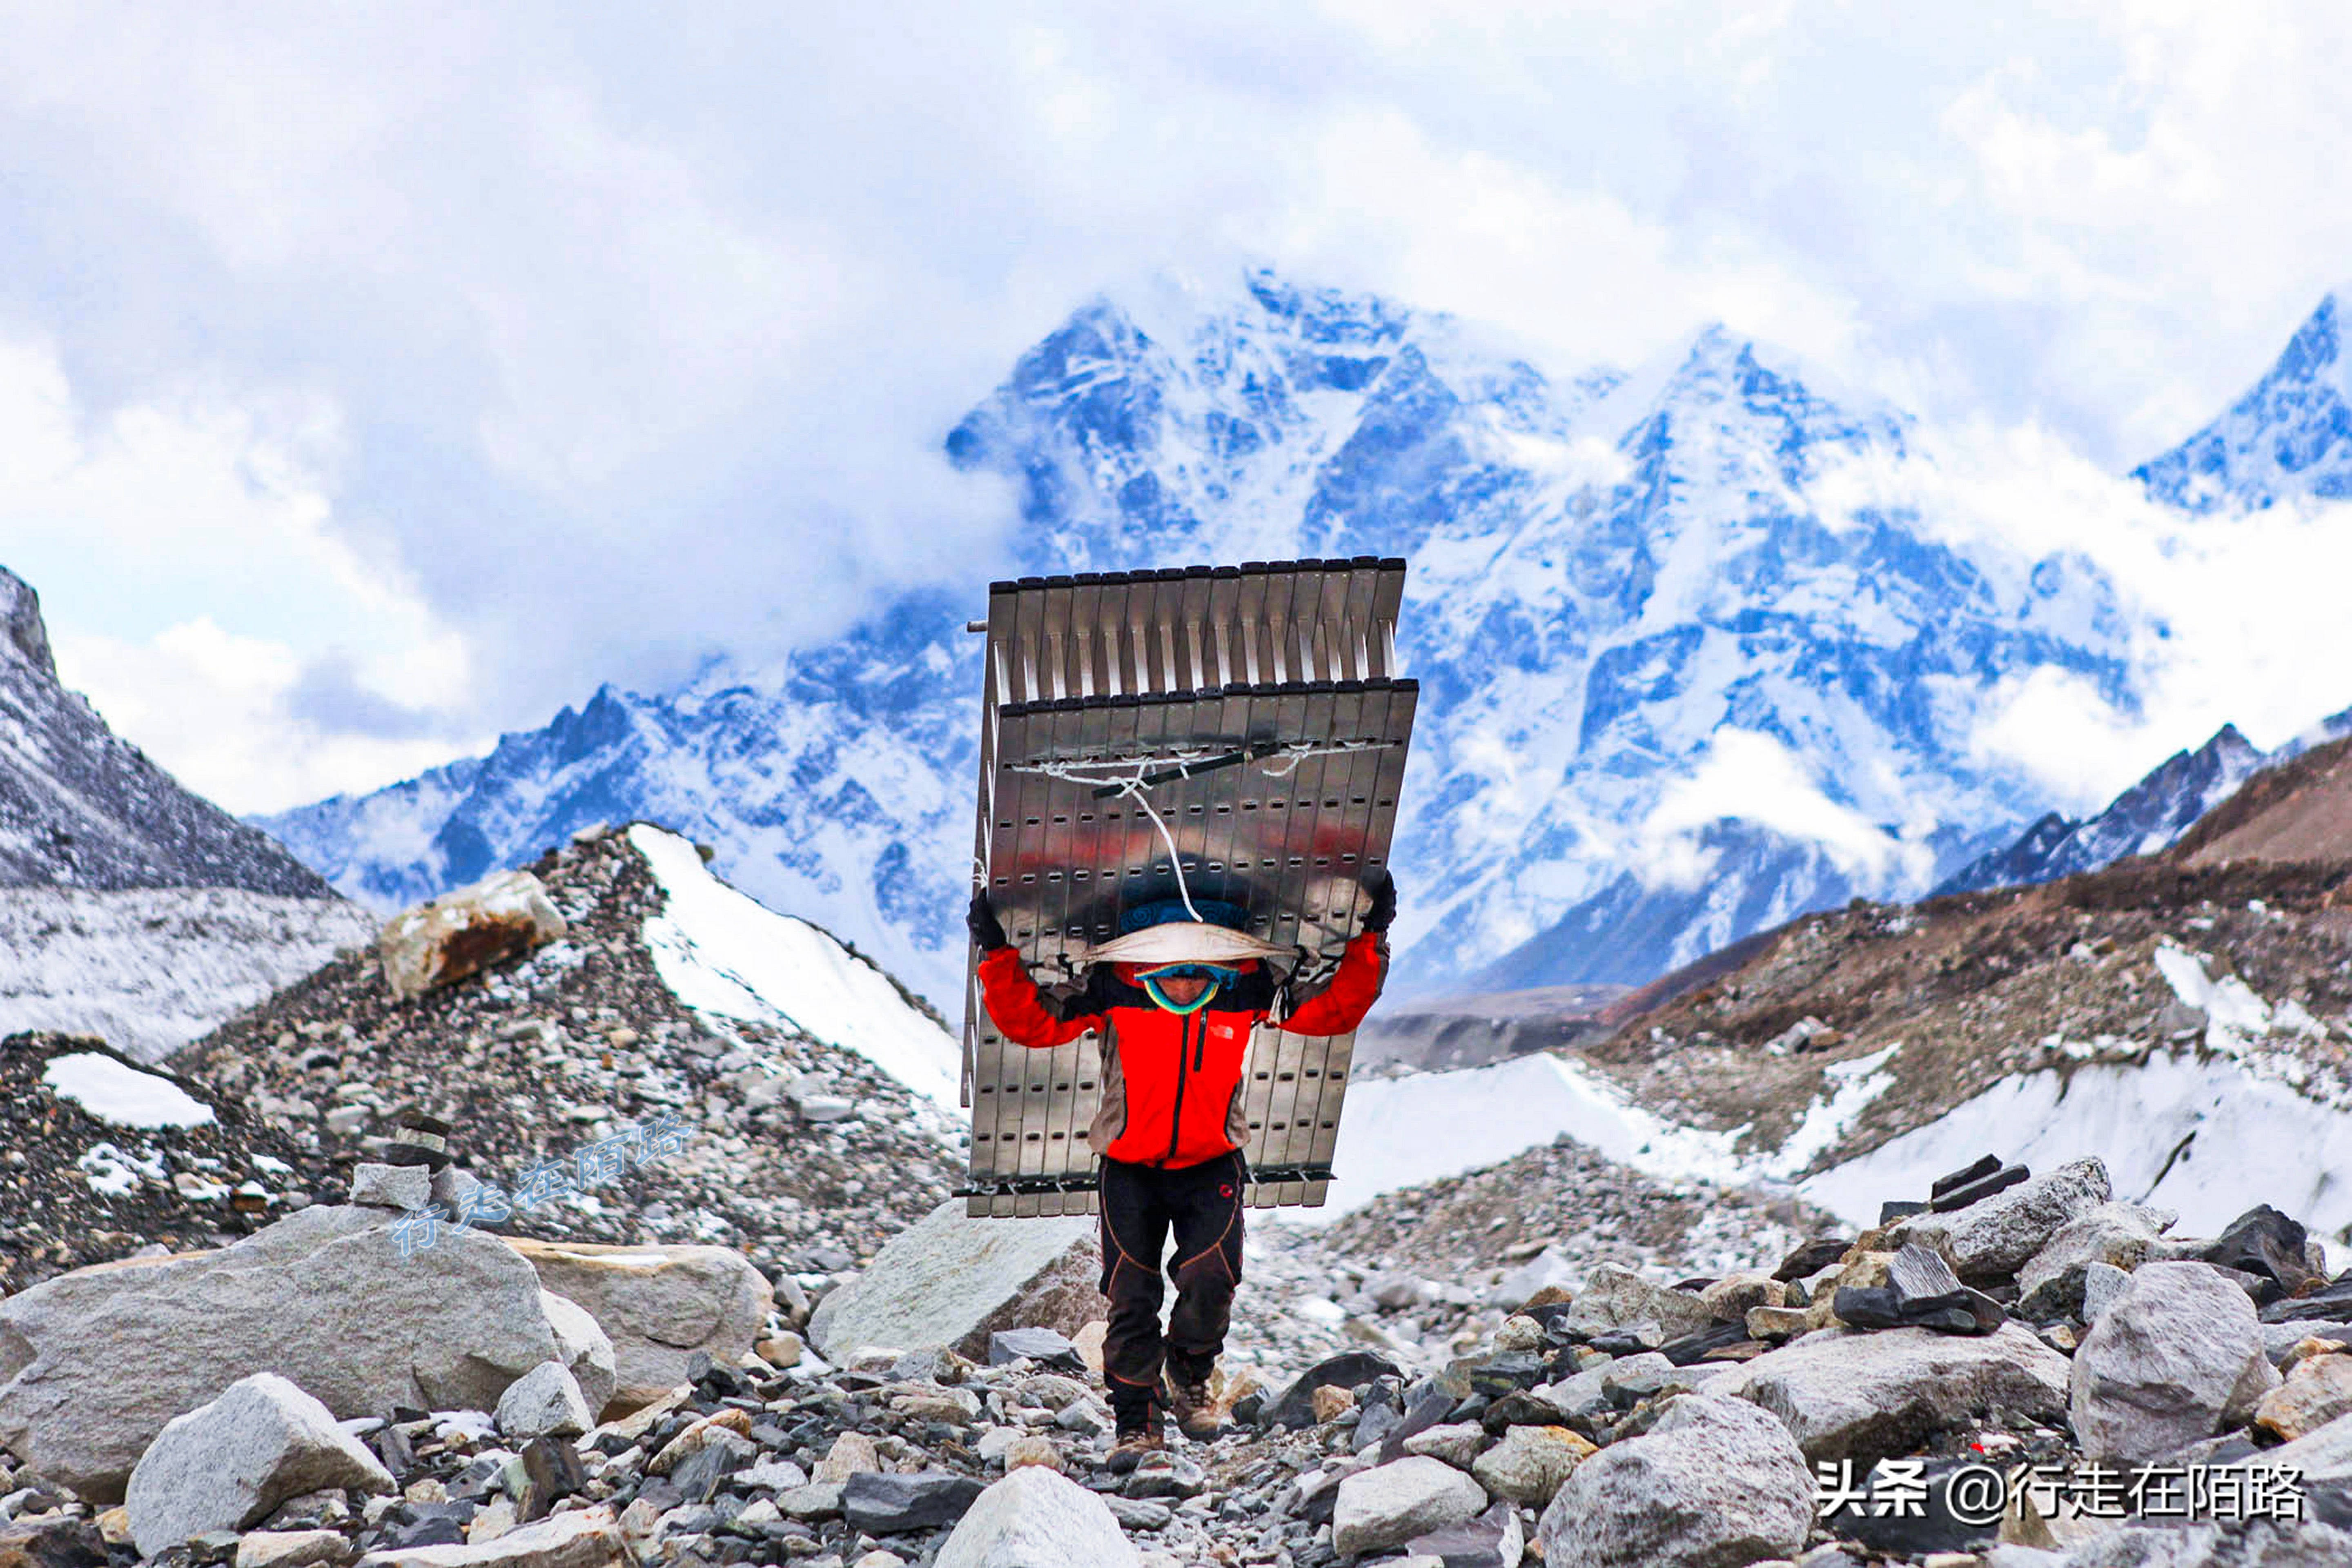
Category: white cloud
[1745,774]
[585,342]
[127,522]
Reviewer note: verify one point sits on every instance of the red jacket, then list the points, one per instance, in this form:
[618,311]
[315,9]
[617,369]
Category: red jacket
[1173,1081]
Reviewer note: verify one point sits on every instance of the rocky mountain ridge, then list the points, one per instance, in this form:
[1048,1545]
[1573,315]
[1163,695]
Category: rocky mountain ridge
[2145,818]
[80,807]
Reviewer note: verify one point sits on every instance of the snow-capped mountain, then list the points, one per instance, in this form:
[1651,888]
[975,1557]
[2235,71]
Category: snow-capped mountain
[2150,815]
[1673,686]
[81,807]
[130,908]
[2289,436]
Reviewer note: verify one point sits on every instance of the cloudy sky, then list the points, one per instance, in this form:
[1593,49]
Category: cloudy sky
[376,377]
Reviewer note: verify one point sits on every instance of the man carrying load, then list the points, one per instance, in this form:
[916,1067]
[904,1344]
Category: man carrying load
[1173,1000]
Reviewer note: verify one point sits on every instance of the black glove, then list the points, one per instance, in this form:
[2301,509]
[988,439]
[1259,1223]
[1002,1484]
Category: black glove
[1383,887]
[987,931]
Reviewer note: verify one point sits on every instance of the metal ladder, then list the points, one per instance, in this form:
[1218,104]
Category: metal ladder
[1258,711]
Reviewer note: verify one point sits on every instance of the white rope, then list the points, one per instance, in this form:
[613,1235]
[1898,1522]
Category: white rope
[1127,775]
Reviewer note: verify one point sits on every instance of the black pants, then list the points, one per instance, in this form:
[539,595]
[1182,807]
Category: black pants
[1141,1205]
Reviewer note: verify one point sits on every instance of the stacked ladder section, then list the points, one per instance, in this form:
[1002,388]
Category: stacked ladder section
[1256,711]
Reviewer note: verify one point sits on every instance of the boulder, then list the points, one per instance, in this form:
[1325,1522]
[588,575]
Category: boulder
[657,1305]
[584,1348]
[1298,1404]
[295,1549]
[1530,1464]
[1036,1518]
[544,1402]
[499,918]
[1388,1505]
[2050,1286]
[1716,1483]
[227,1465]
[952,1280]
[886,1503]
[1044,1346]
[582,1538]
[2000,1235]
[2178,1357]
[1867,1396]
[51,1541]
[2317,1390]
[1617,1298]
[1493,1540]
[404,1187]
[323,1298]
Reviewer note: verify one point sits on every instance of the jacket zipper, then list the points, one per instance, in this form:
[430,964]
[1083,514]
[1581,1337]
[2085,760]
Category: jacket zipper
[1176,1121]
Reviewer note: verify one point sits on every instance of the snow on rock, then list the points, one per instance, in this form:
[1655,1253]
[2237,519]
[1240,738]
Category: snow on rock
[2233,1014]
[2207,1135]
[725,954]
[123,1095]
[147,970]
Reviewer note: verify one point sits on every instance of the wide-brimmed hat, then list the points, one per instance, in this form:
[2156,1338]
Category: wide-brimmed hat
[1166,932]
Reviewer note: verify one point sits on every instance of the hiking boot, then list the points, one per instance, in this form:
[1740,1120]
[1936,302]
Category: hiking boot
[1187,1397]
[1136,1436]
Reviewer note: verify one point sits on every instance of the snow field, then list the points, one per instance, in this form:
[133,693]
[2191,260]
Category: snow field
[723,953]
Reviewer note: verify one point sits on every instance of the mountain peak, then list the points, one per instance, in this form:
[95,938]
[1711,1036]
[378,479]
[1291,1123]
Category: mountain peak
[21,628]
[2289,437]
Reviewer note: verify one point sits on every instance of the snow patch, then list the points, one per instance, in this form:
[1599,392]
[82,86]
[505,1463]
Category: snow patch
[2204,1135]
[1403,1131]
[123,1095]
[111,1173]
[723,953]
[2233,1014]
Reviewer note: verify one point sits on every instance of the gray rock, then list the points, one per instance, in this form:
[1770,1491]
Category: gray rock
[952,1280]
[1717,1483]
[1047,1347]
[584,1348]
[1458,1444]
[2262,1544]
[1493,1540]
[882,1503]
[2101,1283]
[323,1298]
[1036,1519]
[2322,1456]
[294,1549]
[658,1305]
[227,1464]
[2120,1235]
[1868,1396]
[1530,1463]
[2279,1339]
[405,1188]
[1615,1298]
[1388,1505]
[1988,1240]
[2178,1357]
[581,1538]
[544,1402]
[1629,1380]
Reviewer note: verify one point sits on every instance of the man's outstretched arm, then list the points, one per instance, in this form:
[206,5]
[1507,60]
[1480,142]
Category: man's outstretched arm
[1021,1013]
[1341,1005]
